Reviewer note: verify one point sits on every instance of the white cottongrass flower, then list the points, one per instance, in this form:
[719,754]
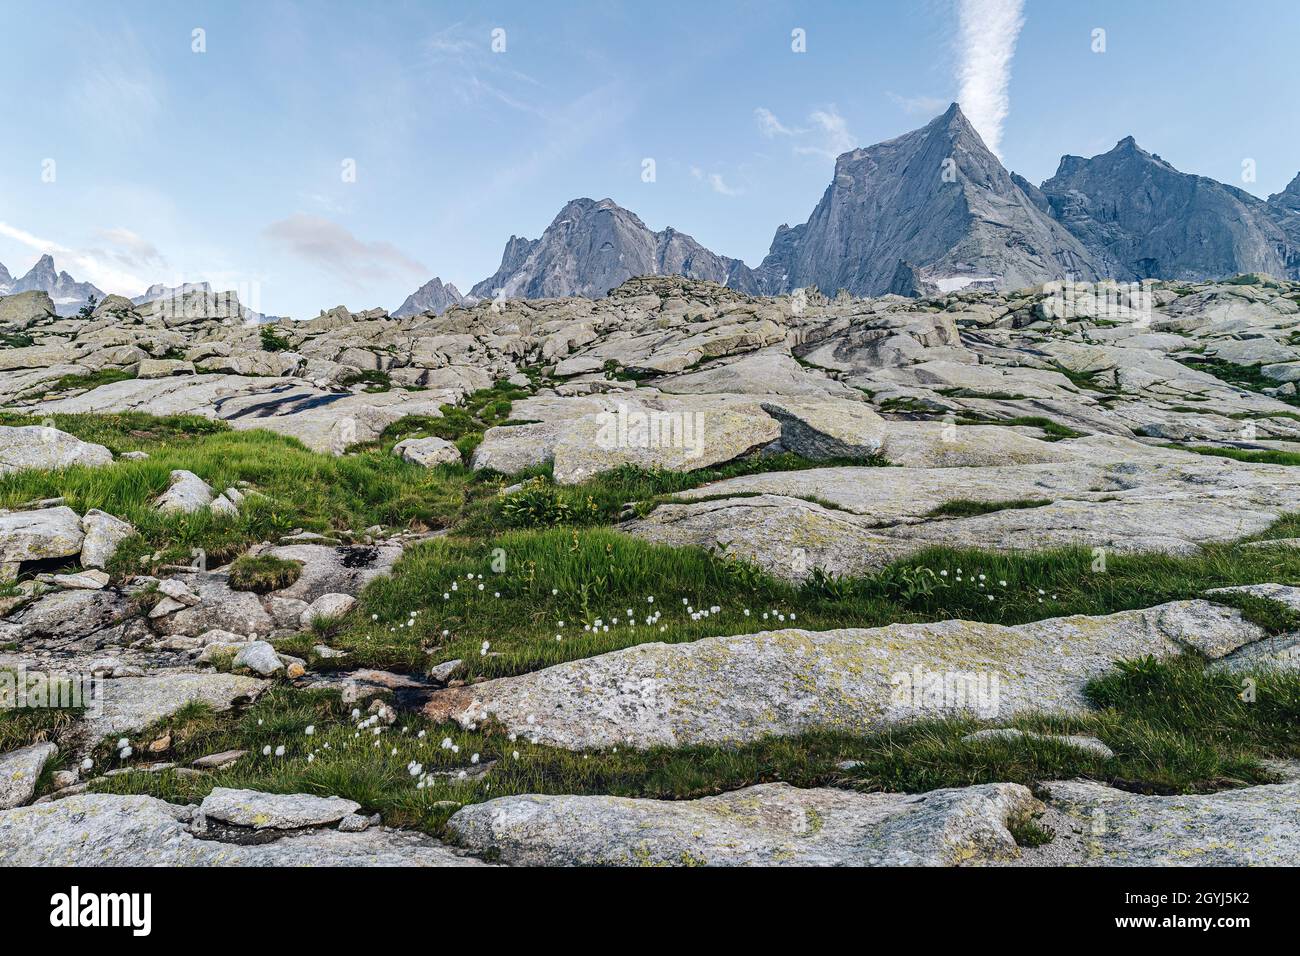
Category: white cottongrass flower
[311,729]
[473,758]
[279,751]
[123,743]
[126,753]
[266,751]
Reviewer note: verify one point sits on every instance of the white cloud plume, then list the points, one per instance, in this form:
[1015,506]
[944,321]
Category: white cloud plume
[987,34]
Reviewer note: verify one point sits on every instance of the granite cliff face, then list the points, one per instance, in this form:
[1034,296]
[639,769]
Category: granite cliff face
[1285,208]
[1142,218]
[592,247]
[935,201]
[433,297]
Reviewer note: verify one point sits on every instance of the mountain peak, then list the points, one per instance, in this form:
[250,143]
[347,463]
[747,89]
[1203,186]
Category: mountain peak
[594,246]
[1131,210]
[935,198]
[433,297]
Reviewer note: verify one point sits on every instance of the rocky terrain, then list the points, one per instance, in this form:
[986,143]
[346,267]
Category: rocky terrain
[674,575]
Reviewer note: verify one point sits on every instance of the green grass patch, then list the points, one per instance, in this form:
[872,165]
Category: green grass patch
[273,341]
[263,573]
[1174,729]
[89,380]
[967,508]
[590,578]
[1267,456]
[1052,430]
[296,488]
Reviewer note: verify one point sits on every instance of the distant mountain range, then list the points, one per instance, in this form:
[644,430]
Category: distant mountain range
[67,294]
[935,210]
[931,210]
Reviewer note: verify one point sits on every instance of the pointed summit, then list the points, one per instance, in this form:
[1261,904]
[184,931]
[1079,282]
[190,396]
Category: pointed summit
[591,247]
[67,293]
[1142,218]
[433,297]
[936,199]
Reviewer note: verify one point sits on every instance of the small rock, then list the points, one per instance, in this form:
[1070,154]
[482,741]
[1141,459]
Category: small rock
[293,811]
[428,451]
[187,493]
[327,607]
[356,823]
[259,657]
[218,761]
[82,580]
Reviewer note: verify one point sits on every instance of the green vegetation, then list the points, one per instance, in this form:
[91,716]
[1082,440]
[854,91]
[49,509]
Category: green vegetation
[1266,456]
[1088,380]
[580,575]
[1052,430]
[89,380]
[1249,377]
[1174,728]
[373,380]
[273,341]
[15,340]
[966,508]
[263,573]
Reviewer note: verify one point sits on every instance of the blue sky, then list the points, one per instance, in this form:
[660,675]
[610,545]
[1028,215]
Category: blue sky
[171,165]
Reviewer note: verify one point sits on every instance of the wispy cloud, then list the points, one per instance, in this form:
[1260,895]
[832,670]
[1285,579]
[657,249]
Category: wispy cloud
[463,65]
[715,182]
[116,90]
[827,133]
[333,249]
[129,249]
[920,105]
[769,126]
[86,266]
[987,34]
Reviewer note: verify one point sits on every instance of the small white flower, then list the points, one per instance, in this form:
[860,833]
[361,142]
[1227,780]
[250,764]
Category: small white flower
[123,743]
[126,753]
[279,751]
[473,758]
[266,751]
[515,755]
[311,729]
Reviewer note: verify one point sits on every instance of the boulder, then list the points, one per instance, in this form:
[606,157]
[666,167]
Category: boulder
[19,771]
[99,829]
[38,535]
[767,825]
[428,451]
[186,494]
[262,811]
[103,534]
[1253,826]
[26,447]
[335,570]
[327,607]
[737,689]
